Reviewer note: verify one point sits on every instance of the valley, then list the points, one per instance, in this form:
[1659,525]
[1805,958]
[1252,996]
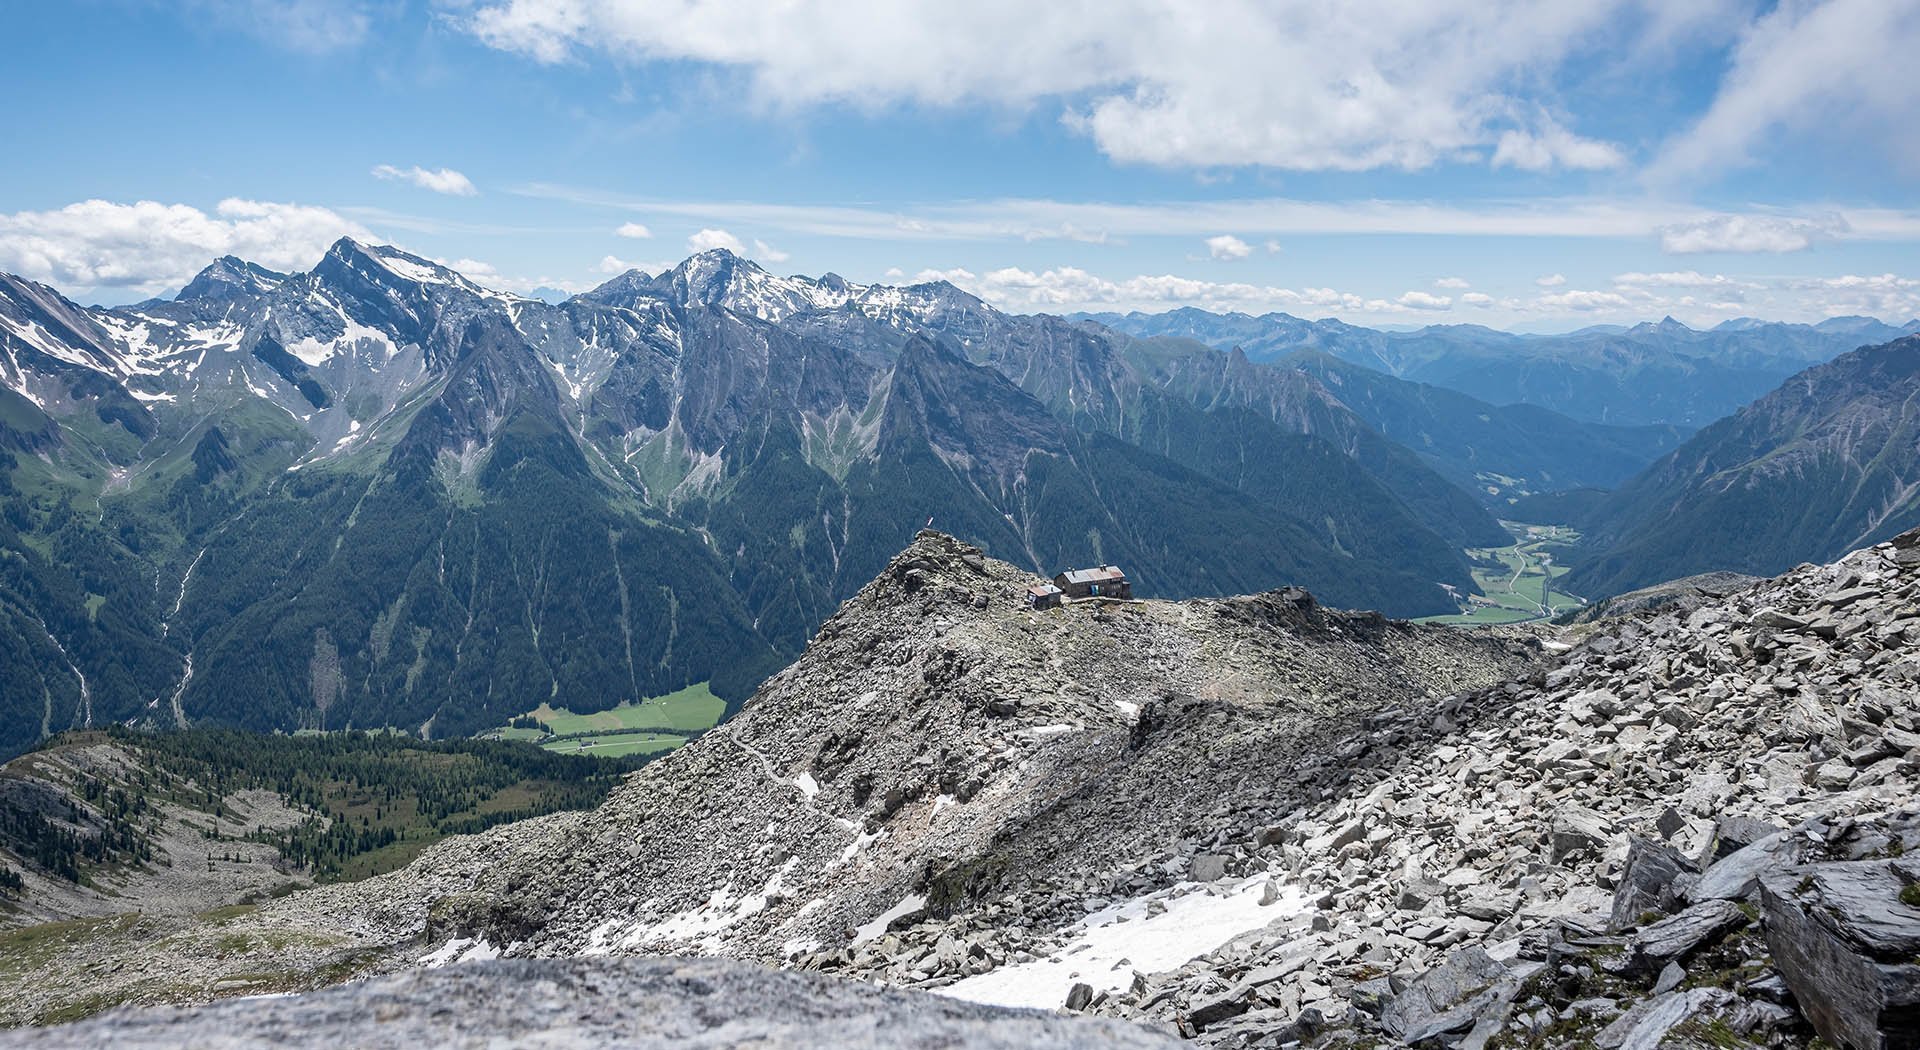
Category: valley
[651,726]
[1520,583]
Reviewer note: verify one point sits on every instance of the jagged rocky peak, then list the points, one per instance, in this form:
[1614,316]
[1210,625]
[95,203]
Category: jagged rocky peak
[230,277]
[625,289]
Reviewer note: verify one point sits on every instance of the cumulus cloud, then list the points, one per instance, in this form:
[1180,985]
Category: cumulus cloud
[1748,234]
[1425,301]
[1294,84]
[1452,282]
[1552,280]
[633,230]
[1552,146]
[768,253]
[148,247]
[1480,299]
[445,180]
[1886,295]
[709,239]
[1228,247]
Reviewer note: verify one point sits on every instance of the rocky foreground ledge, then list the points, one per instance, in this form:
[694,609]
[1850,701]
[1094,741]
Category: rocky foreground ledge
[685,1004]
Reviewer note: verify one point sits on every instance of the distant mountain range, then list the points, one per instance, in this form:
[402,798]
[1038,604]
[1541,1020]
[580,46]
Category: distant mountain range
[1654,373]
[1827,463]
[379,494]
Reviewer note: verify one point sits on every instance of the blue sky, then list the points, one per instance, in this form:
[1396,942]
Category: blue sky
[1536,165]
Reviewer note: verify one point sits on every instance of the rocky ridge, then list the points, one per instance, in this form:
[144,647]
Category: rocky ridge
[939,749]
[1687,831]
[1251,822]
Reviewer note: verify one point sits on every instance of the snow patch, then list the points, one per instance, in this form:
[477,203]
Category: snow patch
[909,904]
[1195,922]
[1043,732]
[460,949]
[1128,708]
[807,785]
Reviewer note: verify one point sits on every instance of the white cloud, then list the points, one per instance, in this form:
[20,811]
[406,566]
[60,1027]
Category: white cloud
[709,239]
[1574,299]
[1554,146]
[613,264]
[768,253]
[1452,282]
[1425,301]
[1068,288]
[1837,64]
[1749,234]
[1701,299]
[1040,219]
[446,180]
[633,230]
[148,247]
[1886,295]
[1552,280]
[1679,279]
[1273,247]
[487,275]
[1227,246]
[1295,84]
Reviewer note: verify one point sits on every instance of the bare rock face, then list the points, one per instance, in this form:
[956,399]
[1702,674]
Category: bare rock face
[589,1004]
[1848,943]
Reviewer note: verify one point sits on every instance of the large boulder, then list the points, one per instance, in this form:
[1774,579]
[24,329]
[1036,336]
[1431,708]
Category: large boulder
[575,1004]
[1737,876]
[1654,882]
[1449,999]
[1848,943]
[1676,939]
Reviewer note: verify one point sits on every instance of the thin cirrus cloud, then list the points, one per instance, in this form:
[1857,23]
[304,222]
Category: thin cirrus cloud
[312,26]
[1676,227]
[1803,66]
[444,180]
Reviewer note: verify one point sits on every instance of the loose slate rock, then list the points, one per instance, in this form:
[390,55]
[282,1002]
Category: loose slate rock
[1655,880]
[1450,997]
[1677,938]
[574,1004]
[1848,946]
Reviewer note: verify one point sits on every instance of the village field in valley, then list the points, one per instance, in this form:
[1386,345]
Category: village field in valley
[653,725]
[1518,582]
